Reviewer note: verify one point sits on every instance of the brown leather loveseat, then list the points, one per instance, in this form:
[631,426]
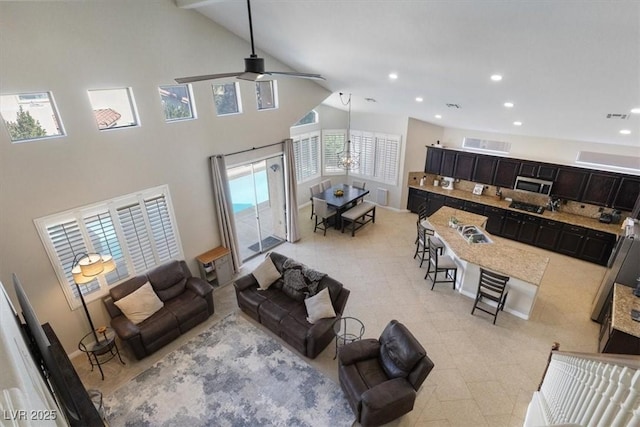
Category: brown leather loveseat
[286,316]
[187,300]
[380,377]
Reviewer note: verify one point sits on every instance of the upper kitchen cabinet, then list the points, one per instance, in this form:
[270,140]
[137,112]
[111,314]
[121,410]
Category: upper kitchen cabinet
[448,163]
[434,160]
[485,169]
[538,170]
[464,166]
[506,172]
[627,193]
[601,188]
[569,183]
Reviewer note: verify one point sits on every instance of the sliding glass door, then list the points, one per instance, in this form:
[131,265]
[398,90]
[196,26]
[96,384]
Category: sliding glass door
[257,195]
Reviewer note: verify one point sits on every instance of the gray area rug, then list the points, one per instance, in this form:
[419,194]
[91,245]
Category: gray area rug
[234,374]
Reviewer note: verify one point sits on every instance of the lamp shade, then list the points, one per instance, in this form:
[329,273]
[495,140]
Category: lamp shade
[90,266]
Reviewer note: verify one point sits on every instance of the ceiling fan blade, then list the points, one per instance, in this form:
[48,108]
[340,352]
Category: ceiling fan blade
[206,77]
[294,74]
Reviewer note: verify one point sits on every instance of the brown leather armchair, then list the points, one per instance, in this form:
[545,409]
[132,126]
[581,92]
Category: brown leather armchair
[381,377]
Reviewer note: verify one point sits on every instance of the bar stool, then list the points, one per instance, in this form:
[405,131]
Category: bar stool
[492,286]
[441,264]
[422,245]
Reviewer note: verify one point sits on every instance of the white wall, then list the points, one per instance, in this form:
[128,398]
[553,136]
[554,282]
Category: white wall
[70,47]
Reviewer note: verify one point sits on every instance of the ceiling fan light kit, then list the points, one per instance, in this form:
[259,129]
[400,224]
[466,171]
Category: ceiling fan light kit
[253,66]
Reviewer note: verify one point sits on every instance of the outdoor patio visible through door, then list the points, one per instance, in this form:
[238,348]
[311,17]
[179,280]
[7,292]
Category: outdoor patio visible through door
[257,195]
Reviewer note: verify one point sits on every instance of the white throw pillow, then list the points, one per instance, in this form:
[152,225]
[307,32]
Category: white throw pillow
[140,304]
[266,274]
[319,306]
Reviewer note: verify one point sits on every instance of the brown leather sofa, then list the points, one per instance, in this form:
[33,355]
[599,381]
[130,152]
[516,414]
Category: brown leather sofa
[380,378]
[286,316]
[187,301]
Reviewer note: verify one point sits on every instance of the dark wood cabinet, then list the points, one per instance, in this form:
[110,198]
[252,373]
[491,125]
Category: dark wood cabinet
[612,340]
[548,234]
[600,189]
[434,160]
[529,169]
[597,247]
[448,163]
[570,183]
[571,240]
[528,229]
[547,171]
[511,225]
[473,207]
[465,163]
[506,173]
[416,198]
[627,194]
[434,202]
[485,169]
[495,218]
[454,202]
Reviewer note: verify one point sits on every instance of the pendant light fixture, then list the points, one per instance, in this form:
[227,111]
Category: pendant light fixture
[347,159]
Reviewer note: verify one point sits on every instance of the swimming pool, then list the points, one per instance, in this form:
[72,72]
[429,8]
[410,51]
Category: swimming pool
[241,188]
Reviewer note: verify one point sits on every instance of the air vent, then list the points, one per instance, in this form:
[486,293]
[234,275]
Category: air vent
[453,105]
[609,161]
[617,116]
[485,145]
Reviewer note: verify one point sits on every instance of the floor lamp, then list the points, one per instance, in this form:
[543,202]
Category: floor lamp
[85,268]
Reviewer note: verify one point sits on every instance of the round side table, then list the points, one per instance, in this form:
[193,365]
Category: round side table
[101,350]
[347,330]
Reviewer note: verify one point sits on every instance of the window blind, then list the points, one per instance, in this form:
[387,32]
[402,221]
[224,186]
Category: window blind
[333,142]
[306,150]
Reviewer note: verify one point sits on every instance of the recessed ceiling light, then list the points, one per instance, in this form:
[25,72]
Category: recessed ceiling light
[496,77]
[625,132]
[635,110]
[393,76]
[508,104]
[438,116]
[419,99]
[517,123]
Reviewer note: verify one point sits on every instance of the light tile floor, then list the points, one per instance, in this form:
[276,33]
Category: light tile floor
[484,375]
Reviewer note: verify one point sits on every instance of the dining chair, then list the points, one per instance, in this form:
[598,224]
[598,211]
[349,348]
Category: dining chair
[441,264]
[314,190]
[323,213]
[422,243]
[326,184]
[492,286]
[359,184]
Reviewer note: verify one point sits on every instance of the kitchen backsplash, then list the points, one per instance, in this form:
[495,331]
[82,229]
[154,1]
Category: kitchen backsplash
[570,207]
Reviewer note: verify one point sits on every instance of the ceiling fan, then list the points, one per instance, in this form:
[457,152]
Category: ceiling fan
[253,67]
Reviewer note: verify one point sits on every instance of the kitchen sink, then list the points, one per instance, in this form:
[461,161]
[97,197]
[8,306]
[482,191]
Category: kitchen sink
[473,234]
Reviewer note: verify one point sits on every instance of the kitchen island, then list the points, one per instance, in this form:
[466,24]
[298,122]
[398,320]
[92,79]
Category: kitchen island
[525,268]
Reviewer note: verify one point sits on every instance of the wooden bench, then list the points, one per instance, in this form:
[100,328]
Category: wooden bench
[359,215]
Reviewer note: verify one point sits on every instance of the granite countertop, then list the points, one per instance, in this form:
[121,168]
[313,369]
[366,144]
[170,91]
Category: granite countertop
[578,220]
[499,256]
[623,302]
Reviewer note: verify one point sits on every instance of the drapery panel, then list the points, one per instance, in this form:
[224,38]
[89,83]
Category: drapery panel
[291,191]
[224,209]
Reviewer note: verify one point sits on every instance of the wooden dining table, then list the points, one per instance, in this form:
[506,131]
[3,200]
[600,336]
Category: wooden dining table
[350,197]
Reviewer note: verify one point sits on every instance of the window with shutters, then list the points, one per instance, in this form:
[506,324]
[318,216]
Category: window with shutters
[378,156]
[306,150]
[138,230]
[333,142]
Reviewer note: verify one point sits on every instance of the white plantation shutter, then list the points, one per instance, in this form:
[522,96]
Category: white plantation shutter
[162,231]
[104,240]
[67,241]
[137,230]
[137,238]
[362,144]
[306,149]
[386,158]
[333,142]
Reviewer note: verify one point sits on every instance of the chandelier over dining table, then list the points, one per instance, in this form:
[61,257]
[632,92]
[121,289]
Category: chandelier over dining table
[348,159]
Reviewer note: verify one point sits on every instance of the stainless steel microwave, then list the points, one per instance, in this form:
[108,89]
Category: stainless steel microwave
[533,185]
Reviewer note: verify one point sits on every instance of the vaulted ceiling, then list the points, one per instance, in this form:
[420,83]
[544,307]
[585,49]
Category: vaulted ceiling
[565,65]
